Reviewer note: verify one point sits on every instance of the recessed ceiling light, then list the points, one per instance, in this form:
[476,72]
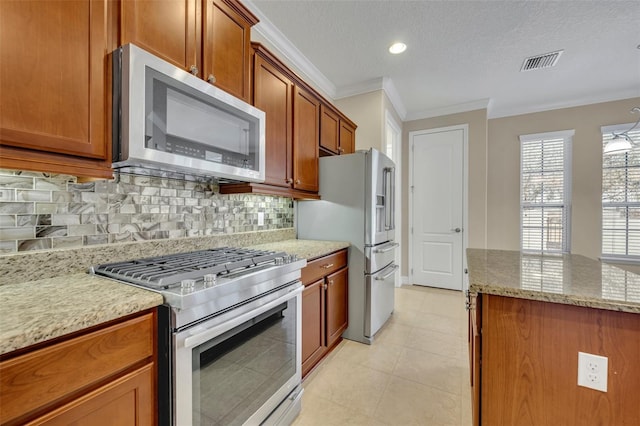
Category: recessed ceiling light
[396,48]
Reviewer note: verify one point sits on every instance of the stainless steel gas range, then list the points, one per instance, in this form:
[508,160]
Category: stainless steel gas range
[229,334]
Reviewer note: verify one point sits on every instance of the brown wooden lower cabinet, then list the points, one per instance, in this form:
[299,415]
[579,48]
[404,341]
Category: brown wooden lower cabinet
[125,401]
[526,352]
[104,376]
[324,307]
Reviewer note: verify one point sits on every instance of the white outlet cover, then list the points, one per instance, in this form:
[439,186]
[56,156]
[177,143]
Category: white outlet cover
[592,371]
[260,218]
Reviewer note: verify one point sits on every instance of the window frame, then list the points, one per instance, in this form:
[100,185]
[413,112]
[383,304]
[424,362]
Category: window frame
[612,257]
[567,143]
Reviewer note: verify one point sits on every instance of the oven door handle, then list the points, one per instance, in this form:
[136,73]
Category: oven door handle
[209,333]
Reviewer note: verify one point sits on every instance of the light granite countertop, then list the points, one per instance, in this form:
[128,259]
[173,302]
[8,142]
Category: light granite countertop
[304,249]
[569,279]
[36,311]
[39,301]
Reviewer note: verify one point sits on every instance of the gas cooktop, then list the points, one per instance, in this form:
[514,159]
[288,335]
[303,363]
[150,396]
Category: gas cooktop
[185,269]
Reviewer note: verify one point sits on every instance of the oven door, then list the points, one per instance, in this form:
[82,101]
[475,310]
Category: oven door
[239,367]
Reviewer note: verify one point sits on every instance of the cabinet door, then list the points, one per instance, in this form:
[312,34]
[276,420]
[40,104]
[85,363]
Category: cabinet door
[329,129]
[227,46]
[166,28]
[474,356]
[273,93]
[347,138]
[313,331]
[306,128]
[337,304]
[128,400]
[53,76]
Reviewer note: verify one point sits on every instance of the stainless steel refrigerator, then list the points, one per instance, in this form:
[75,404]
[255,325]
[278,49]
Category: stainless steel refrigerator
[357,205]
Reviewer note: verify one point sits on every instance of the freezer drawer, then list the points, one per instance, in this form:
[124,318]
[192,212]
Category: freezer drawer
[379,289]
[377,257]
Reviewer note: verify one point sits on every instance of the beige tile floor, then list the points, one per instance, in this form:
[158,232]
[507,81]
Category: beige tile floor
[415,373]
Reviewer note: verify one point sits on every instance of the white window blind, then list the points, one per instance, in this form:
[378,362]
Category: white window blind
[621,200]
[545,192]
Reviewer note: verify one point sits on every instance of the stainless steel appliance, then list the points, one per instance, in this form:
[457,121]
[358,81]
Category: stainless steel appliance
[167,119]
[230,334]
[357,205]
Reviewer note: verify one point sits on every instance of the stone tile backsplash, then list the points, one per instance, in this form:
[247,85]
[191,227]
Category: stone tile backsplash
[39,211]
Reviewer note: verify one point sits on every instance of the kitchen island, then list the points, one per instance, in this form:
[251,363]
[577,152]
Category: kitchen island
[529,317]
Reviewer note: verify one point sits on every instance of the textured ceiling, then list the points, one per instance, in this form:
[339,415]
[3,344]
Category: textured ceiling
[463,53]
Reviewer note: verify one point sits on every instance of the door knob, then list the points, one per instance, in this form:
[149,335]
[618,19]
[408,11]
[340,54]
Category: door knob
[457,230]
[211,79]
[193,70]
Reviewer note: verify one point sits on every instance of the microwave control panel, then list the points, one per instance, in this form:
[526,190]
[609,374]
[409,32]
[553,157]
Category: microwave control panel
[194,150]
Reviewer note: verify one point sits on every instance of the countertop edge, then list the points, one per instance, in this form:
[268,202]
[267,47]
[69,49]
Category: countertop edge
[618,306]
[37,327]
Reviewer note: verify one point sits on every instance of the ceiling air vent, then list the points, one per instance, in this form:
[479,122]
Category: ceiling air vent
[541,61]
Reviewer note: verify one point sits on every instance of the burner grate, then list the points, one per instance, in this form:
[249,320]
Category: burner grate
[164,272]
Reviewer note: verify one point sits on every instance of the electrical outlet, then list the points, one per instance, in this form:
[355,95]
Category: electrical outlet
[592,371]
[260,218]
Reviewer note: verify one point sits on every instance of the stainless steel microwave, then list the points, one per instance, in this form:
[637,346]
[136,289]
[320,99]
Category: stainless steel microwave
[168,119]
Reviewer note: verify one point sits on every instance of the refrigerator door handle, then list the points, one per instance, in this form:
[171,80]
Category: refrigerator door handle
[388,274]
[392,201]
[387,248]
[388,177]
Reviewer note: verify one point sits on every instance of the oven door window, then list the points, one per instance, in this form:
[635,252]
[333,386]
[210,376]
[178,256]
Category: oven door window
[237,373]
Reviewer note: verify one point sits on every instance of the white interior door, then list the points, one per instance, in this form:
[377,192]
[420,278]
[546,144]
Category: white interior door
[437,227]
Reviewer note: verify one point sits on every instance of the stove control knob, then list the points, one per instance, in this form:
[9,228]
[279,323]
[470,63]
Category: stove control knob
[279,261]
[209,280]
[188,285]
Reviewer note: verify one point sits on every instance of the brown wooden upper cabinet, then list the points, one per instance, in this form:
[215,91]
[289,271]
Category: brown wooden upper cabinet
[55,86]
[216,47]
[273,93]
[306,129]
[347,137]
[337,133]
[292,130]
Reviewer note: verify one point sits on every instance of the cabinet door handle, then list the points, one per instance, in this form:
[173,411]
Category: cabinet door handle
[298,181]
[324,286]
[289,180]
[211,79]
[327,266]
[330,282]
[340,150]
[193,70]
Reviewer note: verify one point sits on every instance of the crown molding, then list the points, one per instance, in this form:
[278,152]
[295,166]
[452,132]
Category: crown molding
[382,83]
[289,51]
[582,101]
[451,109]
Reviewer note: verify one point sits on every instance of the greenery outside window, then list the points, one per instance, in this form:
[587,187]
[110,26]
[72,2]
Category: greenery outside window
[545,192]
[621,200]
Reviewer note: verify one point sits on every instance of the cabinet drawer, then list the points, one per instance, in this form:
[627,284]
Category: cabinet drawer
[45,376]
[323,266]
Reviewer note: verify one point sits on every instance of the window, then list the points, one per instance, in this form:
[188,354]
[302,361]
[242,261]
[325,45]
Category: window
[621,199]
[545,192]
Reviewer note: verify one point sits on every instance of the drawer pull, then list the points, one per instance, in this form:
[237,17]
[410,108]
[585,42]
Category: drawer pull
[387,248]
[327,266]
